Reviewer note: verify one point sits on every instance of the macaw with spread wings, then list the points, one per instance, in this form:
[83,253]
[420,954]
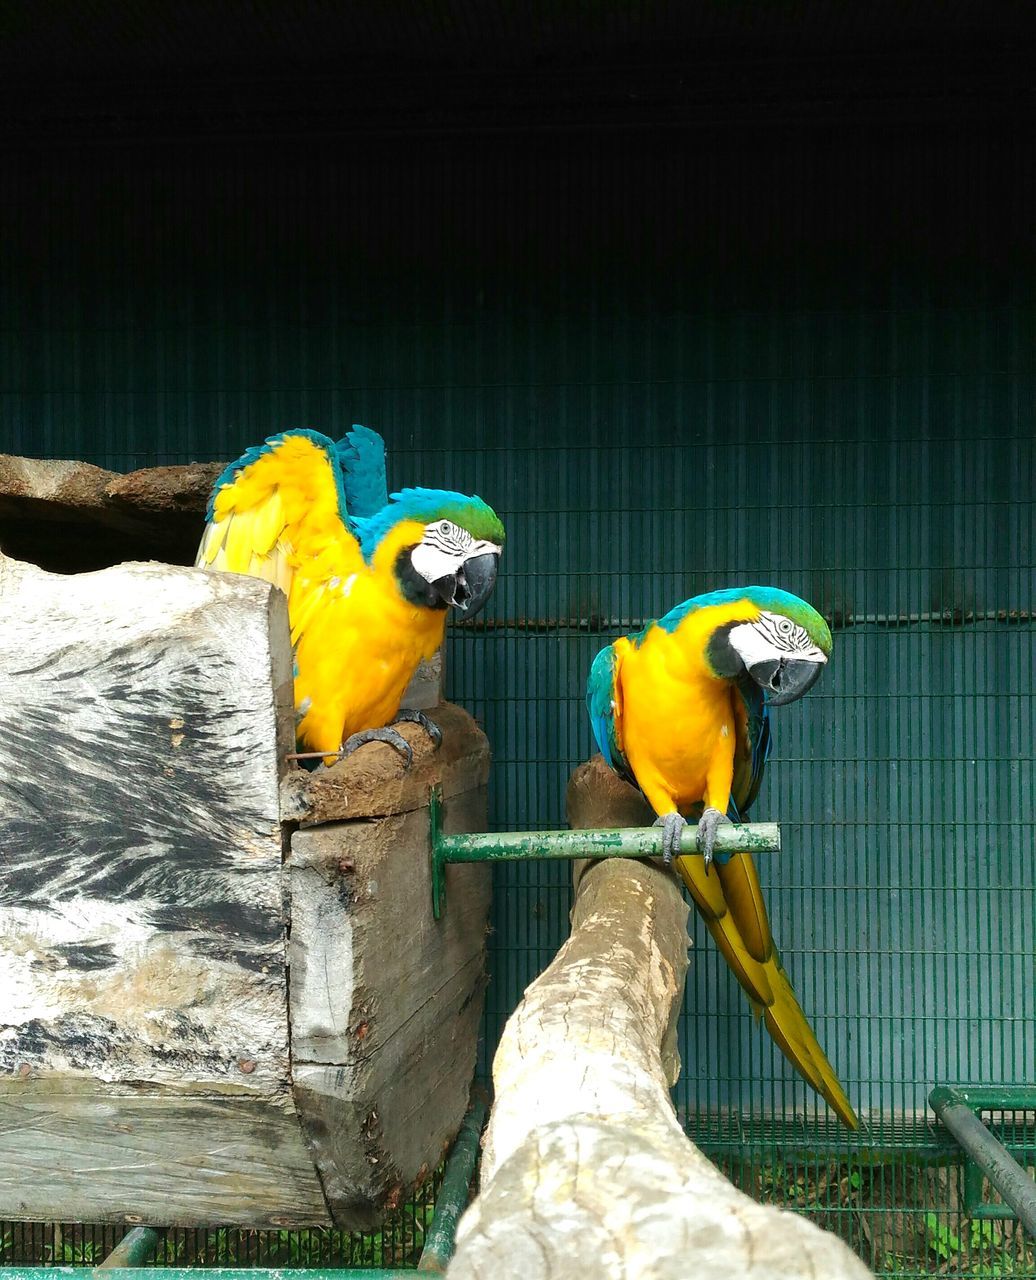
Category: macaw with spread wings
[369,577]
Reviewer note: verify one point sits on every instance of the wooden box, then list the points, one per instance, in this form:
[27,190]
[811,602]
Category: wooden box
[223,997]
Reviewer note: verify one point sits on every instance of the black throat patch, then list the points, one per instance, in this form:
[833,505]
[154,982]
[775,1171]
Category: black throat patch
[723,658]
[414,588]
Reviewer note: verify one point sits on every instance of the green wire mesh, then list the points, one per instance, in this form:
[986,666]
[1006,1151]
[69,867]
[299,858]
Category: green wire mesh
[397,1244]
[776,360]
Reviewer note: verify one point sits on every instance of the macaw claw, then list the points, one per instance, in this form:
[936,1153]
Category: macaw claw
[706,839]
[672,825]
[393,737]
[387,734]
[429,726]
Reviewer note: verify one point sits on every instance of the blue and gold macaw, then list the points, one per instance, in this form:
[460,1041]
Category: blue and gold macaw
[682,711]
[369,578]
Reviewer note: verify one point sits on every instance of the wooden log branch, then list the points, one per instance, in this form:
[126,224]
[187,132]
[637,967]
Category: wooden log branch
[69,516]
[586,1170]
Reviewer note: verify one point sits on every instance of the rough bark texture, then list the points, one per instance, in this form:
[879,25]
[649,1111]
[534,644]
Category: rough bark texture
[69,516]
[147,1069]
[182,490]
[375,782]
[586,1169]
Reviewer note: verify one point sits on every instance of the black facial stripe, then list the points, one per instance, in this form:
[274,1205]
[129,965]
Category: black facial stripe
[453,541]
[788,639]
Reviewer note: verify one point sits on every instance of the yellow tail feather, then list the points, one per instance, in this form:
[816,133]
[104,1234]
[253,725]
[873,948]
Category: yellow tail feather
[786,1019]
[744,895]
[707,893]
[733,909]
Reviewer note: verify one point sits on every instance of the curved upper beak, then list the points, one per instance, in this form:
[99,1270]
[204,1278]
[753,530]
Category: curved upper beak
[786,679]
[470,587]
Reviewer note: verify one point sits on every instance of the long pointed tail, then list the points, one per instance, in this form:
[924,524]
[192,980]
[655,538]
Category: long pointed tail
[731,904]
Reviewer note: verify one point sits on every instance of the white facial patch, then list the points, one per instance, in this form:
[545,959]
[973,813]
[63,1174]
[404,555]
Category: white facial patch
[772,637]
[433,563]
[444,548]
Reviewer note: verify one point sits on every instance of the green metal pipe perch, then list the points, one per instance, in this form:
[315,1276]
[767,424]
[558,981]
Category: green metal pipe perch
[957,1108]
[134,1249]
[624,842]
[453,1194]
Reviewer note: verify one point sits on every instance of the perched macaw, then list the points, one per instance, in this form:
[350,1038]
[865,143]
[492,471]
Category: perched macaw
[368,578]
[682,711]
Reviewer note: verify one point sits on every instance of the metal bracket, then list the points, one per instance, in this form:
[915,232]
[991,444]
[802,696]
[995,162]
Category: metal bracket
[984,1156]
[625,842]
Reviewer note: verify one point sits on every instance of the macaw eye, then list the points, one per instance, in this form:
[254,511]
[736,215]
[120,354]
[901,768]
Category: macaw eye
[784,626]
[444,526]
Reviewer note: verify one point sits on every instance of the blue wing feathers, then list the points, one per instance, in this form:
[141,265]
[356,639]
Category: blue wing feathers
[358,463]
[599,688]
[600,697]
[361,454]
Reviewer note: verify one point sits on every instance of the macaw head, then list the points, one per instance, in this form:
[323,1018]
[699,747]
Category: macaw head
[444,547]
[782,643]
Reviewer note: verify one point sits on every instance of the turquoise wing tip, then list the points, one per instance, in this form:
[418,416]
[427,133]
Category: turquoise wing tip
[599,690]
[361,453]
[256,452]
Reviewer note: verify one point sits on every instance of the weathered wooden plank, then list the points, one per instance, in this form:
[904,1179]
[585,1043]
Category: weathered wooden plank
[585,1166]
[112,1153]
[386,1001]
[144,718]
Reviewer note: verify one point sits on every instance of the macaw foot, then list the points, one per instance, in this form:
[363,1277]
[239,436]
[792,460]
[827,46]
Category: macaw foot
[672,825]
[387,734]
[707,824]
[429,726]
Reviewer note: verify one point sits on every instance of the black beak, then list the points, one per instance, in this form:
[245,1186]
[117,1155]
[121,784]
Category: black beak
[471,586]
[785,680]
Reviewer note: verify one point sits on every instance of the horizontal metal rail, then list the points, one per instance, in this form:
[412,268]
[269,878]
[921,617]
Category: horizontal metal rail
[625,842]
[989,1158]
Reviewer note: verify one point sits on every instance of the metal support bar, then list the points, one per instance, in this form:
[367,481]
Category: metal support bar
[985,1156]
[453,1193]
[628,842]
[134,1249]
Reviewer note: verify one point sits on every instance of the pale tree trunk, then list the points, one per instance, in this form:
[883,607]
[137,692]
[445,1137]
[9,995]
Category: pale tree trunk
[586,1171]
